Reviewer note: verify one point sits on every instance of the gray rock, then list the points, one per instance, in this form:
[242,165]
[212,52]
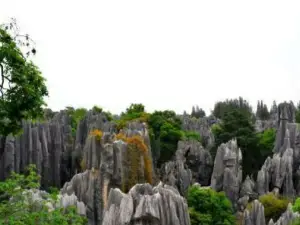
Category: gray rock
[227,172]
[192,164]
[145,205]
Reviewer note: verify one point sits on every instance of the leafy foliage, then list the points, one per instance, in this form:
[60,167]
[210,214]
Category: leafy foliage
[207,207]
[221,108]
[76,115]
[266,140]
[191,135]
[262,111]
[17,208]
[22,87]
[274,206]
[134,112]
[166,129]
[298,113]
[198,112]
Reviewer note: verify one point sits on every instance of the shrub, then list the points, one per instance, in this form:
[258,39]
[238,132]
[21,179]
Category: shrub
[207,206]
[274,206]
[191,135]
[97,133]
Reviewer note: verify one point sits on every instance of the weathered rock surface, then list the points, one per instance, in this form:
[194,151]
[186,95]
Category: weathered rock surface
[256,216]
[50,145]
[108,165]
[202,126]
[227,172]
[146,205]
[192,164]
[280,173]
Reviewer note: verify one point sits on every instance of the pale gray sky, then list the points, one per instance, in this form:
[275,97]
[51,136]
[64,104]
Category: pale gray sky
[164,54]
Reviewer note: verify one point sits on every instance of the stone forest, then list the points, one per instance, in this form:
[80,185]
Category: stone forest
[89,166]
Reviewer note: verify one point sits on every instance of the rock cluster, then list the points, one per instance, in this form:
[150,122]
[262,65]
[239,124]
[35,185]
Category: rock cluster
[146,205]
[256,216]
[107,166]
[192,164]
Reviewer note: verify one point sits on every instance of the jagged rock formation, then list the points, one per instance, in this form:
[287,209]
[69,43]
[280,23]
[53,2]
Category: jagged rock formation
[110,163]
[256,216]
[50,145]
[227,172]
[146,205]
[192,164]
[202,126]
[44,144]
[281,172]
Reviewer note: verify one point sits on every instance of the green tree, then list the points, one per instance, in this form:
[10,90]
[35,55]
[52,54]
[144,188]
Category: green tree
[222,107]
[165,128]
[76,115]
[18,208]
[237,124]
[198,112]
[22,87]
[266,140]
[298,113]
[208,207]
[262,111]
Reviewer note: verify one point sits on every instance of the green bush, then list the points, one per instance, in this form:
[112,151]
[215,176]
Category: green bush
[207,207]
[191,135]
[17,208]
[274,206]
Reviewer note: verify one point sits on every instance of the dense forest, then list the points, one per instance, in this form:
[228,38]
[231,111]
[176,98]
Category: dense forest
[64,167]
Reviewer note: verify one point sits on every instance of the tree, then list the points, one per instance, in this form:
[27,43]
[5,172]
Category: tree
[237,124]
[198,112]
[208,207]
[165,128]
[22,87]
[298,113]
[262,111]
[222,107]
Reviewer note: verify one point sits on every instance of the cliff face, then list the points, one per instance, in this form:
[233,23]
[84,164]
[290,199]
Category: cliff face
[51,146]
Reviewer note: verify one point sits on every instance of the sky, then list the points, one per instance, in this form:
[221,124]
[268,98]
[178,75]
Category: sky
[164,54]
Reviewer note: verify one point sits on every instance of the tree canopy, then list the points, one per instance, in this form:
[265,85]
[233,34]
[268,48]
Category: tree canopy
[22,87]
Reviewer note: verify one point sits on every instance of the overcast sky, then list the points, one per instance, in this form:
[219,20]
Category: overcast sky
[164,54]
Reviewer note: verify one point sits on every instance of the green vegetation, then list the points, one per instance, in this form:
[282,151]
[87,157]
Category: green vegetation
[166,129]
[136,112]
[191,135]
[18,208]
[298,113]
[266,140]
[240,104]
[274,206]
[207,207]
[22,87]
[76,115]
[262,111]
[197,112]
